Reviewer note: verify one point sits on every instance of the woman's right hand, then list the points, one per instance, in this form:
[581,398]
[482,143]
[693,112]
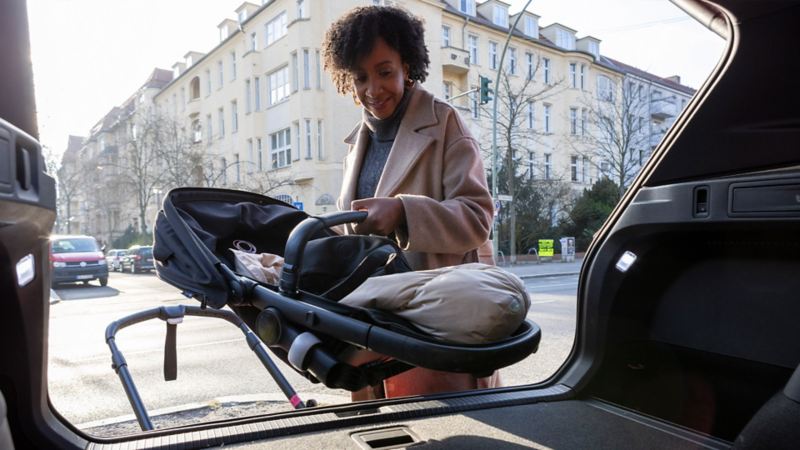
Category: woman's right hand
[384,215]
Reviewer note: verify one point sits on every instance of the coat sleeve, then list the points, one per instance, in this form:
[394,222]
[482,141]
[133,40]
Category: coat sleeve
[461,221]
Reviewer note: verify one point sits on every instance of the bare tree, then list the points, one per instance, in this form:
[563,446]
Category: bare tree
[516,132]
[69,179]
[619,134]
[140,163]
[214,172]
[179,151]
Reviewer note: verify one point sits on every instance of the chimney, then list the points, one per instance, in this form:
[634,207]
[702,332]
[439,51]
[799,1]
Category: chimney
[675,79]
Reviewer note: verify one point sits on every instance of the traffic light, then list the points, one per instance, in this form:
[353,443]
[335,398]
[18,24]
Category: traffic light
[486,91]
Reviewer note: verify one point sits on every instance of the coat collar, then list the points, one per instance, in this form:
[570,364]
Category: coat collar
[410,143]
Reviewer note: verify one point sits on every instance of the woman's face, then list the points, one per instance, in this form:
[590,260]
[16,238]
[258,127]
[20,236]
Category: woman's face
[379,80]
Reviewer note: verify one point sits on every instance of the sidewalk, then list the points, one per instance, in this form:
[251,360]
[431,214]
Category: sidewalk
[545,269]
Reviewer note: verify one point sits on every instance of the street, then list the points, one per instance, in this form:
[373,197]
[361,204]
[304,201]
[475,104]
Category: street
[215,366]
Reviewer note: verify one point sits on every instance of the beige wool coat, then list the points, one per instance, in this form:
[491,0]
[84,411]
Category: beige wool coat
[435,168]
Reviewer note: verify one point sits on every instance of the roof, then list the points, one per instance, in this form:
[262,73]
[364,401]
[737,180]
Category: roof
[541,40]
[74,144]
[158,78]
[630,70]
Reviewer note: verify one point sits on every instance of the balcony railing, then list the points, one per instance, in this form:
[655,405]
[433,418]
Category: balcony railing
[455,60]
[662,109]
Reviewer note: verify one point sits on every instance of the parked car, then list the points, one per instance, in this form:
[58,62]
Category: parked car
[138,258]
[114,259]
[76,258]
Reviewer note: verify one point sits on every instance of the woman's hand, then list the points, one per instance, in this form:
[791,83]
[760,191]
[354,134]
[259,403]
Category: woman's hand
[384,215]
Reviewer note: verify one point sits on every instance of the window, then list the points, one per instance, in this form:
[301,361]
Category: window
[248,103]
[472,42]
[546,70]
[573,168]
[281,149]
[257,92]
[233,66]
[565,39]
[278,85]
[183,99]
[260,150]
[308,138]
[500,16]
[194,88]
[306,70]
[573,75]
[296,126]
[445,36]
[583,121]
[221,119]
[238,165]
[209,131]
[234,116]
[584,169]
[208,82]
[197,132]
[318,65]
[573,121]
[531,116]
[594,49]
[548,166]
[467,7]
[447,90]
[531,165]
[253,41]
[220,75]
[531,27]
[547,118]
[285,198]
[493,55]
[583,77]
[276,28]
[224,164]
[474,98]
[174,104]
[512,61]
[302,9]
[295,76]
[605,88]
[529,63]
[320,153]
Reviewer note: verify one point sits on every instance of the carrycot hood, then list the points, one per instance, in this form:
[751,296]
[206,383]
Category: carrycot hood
[197,226]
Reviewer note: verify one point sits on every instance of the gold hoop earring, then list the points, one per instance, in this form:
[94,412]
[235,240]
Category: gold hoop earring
[355,100]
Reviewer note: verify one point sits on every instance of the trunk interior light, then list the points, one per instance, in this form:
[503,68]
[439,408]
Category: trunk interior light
[26,271]
[626,261]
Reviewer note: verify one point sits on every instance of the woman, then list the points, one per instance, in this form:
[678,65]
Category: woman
[412,165]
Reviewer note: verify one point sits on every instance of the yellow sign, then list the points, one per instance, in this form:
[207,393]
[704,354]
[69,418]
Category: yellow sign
[545,247]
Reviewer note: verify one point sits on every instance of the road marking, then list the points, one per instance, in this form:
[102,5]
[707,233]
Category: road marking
[543,301]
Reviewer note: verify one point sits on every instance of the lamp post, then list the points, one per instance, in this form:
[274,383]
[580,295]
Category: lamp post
[511,29]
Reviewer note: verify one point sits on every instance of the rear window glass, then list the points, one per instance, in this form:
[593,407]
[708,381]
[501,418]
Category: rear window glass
[146,252]
[74,245]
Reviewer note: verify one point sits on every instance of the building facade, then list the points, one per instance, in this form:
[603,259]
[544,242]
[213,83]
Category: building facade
[266,117]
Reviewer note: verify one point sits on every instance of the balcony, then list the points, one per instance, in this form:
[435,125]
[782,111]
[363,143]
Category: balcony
[661,109]
[455,60]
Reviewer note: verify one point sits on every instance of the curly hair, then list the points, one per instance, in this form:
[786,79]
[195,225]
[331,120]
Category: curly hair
[352,37]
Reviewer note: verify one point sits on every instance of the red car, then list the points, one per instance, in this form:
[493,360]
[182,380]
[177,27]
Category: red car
[77,258]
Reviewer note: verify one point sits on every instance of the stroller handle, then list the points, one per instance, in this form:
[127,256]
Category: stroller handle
[299,237]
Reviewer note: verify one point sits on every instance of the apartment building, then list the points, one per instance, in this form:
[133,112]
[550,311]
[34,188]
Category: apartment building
[262,109]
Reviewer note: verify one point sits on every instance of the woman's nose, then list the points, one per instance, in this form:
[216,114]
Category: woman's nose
[373,88]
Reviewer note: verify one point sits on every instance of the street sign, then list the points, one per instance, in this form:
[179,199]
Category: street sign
[504,197]
[298,205]
[497,206]
[545,247]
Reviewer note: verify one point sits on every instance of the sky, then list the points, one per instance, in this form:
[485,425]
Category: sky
[91,55]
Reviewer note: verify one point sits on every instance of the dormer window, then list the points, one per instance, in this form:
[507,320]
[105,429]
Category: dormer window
[467,7]
[531,27]
[594,49]
[565,39]
[500,16]
[242,15]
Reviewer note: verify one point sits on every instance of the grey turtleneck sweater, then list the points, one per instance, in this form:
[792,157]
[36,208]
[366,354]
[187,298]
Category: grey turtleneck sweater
[381,138]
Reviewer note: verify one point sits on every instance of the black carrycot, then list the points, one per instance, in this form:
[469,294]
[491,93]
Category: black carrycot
[194,233]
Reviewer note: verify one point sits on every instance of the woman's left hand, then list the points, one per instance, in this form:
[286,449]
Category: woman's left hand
[384,215]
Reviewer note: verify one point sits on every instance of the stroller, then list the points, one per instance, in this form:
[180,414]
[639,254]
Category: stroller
[300,320]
